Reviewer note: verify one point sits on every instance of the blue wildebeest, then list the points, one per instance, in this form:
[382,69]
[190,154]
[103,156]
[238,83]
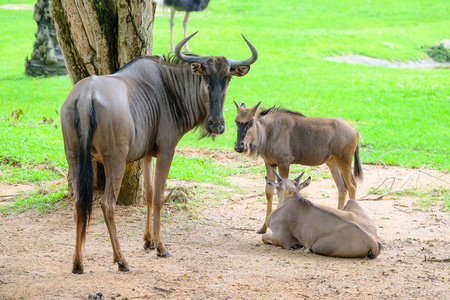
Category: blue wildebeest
[325,230]
[139,113]
[283,137]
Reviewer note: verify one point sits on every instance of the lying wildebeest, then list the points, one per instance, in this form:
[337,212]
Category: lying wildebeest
[325,230]
[283,137]
[140,112]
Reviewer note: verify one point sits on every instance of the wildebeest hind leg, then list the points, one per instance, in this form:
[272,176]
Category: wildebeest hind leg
[346,170]
[339,180]
[147,164]
[114,168]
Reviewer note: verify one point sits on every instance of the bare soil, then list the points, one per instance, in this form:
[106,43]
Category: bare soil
[218,255]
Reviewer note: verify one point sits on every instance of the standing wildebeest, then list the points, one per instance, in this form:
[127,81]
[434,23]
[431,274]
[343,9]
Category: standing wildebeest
[140,112]
[283,137]
[325,230]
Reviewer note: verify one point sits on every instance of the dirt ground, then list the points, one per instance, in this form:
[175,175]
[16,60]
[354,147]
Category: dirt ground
[218,255]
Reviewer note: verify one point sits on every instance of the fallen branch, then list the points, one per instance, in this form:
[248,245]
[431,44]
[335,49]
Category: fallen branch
[163,289]
[243,229]
[436,260]
[8,196]
[407,212]
[394,178]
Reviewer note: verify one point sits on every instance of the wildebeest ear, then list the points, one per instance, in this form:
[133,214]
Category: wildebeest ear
[266,112]
[240,71]
[304,184]
[272,183]
[197,68]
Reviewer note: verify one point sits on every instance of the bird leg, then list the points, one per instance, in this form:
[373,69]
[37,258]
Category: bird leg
[172,14]
[185,22]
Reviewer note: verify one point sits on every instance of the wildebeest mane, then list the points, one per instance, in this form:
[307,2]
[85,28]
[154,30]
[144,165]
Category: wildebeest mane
[176,77]
[168,59]
[282,110]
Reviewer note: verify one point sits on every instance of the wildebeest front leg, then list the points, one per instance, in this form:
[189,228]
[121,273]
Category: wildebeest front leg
[114,174]
[148,172]
[164,159]
[269,197]
[282,239]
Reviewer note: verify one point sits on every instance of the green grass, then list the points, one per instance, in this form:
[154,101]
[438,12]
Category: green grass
[43,201]
[25,174]
[200,169]
[394,109]
[434,198]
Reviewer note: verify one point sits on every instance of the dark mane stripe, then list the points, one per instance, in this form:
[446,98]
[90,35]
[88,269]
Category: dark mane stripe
[281,110]
[180,86]
[169,59]
[287,111]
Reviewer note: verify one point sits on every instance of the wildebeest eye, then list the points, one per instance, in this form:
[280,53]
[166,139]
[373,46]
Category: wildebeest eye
[249,124]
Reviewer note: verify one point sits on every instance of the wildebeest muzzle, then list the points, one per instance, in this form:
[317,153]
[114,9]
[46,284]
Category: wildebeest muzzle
[215,125]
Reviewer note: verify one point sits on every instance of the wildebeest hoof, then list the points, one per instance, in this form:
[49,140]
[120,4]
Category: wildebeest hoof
[167,254]
[78,269]
[261,231]
[149,246]
[124,267]
[295,247]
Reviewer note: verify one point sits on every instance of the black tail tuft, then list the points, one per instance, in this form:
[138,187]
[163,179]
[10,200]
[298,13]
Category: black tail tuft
[357,169]
[85,180]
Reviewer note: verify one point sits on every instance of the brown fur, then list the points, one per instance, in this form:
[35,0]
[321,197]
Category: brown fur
[327,231]
[282,137]
[138,113]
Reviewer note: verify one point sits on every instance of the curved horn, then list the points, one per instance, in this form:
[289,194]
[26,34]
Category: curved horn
[299,177]
[278,175]
[188,58]
[248,62]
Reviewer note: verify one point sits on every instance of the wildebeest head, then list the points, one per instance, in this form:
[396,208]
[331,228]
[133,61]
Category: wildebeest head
[246,122]
[216,73]
[286,187]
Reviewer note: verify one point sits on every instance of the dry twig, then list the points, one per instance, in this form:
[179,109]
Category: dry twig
[394,178]
[436,260]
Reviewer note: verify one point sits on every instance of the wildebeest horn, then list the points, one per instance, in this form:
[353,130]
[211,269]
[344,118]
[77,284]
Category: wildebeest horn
[202,59]
[299,177]
[248,62]
[278,175]
[188,58]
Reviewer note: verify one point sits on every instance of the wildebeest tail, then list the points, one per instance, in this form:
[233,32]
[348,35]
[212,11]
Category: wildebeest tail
[357,169]
[85,180]
[373,253]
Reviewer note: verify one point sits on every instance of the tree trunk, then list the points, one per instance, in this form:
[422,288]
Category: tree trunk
[98,38]
[46,58]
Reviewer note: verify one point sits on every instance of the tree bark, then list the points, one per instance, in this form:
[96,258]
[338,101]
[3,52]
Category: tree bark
[98,38]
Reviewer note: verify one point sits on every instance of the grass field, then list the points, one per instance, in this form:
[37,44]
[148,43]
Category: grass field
[402,111]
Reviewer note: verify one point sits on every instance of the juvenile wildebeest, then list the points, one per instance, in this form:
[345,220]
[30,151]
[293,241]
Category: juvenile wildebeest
[327,231]
[283,137]
[140,112]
